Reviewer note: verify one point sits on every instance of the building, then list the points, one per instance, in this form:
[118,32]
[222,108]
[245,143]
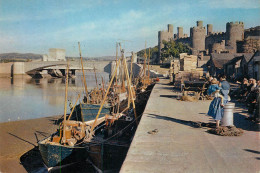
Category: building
[217,61]
[236,68]
[254,66]
[55,55]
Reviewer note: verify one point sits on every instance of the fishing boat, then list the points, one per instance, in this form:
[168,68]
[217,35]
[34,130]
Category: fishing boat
[98,132]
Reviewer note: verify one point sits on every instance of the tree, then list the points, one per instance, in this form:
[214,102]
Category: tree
[173,49]
[152,50]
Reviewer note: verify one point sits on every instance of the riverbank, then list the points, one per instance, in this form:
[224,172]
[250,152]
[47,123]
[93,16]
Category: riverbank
[18,137]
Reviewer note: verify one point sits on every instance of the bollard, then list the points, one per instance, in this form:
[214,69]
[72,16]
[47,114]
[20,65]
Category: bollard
[227,119]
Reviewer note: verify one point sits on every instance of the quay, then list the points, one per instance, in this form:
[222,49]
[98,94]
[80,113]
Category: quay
[174,145]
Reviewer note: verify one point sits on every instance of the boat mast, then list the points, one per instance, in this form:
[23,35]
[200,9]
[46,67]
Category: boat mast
[131,73]
[145,56]
[130,92]
[96,76]
[65,104]
[74,106]
[149,64]
[116,59]
[104,99]
[85,84]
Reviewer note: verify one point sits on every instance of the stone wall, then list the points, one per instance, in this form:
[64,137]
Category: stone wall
[255,31]
[218,47]
[250,45]
[214,38]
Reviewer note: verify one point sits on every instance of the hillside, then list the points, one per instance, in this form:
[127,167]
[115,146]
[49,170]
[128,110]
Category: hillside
[20,56]
[10,57]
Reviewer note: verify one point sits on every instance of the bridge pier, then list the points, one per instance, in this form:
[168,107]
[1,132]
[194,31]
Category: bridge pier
[18,68]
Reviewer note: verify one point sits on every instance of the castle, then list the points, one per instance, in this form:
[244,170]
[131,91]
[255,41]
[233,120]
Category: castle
[204,41]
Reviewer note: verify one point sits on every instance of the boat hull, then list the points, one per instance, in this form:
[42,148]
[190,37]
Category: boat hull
[57,155]
[107,156]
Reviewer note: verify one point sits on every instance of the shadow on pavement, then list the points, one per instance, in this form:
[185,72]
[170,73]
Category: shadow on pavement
[240,122]
[252,151]
[195,124]
[169,96]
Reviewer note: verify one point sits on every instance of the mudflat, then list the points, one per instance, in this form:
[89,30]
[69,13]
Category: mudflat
[19,137]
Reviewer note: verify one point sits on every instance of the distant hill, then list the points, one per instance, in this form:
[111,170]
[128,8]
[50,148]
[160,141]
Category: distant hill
[20,56]
[103,58]
[10,57]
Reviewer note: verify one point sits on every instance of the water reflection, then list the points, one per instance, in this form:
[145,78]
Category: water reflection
[22,97]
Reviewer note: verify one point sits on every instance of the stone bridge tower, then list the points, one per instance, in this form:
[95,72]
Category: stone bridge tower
[234,33]
[164,35]
[198,38]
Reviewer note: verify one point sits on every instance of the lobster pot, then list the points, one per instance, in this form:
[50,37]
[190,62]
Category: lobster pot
[227,119]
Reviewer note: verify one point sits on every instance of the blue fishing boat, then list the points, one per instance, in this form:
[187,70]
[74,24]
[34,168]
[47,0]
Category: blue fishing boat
[54,153]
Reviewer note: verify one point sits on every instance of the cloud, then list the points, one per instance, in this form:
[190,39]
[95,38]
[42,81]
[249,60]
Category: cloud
[124,26]
[243,4]
[51,10]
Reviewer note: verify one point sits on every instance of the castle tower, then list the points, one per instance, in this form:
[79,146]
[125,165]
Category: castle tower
[170,28]
[209,29]
[234,33]
[164,35]
[198,37]
[179,32]
[200,23]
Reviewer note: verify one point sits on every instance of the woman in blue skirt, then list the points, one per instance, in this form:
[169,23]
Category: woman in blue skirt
[220,92]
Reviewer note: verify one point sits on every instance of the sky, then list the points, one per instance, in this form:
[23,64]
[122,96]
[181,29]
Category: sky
[34,26]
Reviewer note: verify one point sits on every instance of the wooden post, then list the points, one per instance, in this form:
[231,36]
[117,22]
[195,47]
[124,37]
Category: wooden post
[85,84]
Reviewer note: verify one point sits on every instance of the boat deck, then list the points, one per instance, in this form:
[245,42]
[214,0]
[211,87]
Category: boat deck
[176,146]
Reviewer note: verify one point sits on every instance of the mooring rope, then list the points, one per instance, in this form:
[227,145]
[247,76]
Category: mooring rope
[109,137]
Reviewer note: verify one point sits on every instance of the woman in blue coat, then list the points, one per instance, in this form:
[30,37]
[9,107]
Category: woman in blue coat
[220,92]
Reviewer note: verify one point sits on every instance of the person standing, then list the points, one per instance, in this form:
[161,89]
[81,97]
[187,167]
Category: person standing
[221,98]
[225,87]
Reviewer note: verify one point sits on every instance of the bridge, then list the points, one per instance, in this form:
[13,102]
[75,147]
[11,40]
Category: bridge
[44,67]
[31,68]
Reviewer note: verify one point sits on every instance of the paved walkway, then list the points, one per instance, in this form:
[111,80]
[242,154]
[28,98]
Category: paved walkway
[179,147]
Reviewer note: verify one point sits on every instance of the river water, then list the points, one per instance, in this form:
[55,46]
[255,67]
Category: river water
[24,98]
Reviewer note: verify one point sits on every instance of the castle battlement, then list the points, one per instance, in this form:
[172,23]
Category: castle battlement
[216,34]
[198,28]
[235,23]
